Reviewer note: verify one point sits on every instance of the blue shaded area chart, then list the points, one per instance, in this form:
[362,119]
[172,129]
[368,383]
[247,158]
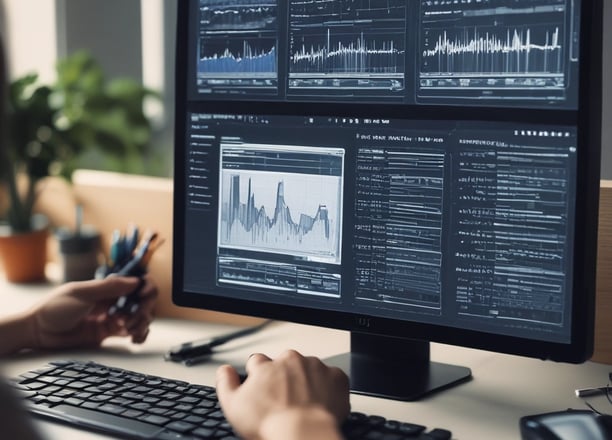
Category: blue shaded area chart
[246,60]
[237,47]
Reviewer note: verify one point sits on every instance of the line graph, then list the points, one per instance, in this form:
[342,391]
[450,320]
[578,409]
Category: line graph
[339,54]
[347,48]
[247,16]
[513,52]
[519,50]
[271,212]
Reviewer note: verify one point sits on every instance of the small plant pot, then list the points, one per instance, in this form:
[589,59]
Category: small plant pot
[24,256]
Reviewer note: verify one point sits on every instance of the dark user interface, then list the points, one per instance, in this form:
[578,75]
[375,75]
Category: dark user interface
[462,52]
[463,224]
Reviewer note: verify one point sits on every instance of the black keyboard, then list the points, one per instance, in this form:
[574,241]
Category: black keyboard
[134,405]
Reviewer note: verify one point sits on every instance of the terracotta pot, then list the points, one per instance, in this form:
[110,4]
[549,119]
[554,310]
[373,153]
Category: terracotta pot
[24,256]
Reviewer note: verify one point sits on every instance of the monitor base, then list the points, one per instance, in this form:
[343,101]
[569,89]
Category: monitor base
[402,373]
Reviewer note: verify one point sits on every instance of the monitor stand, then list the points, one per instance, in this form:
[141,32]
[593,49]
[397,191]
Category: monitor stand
[395,368]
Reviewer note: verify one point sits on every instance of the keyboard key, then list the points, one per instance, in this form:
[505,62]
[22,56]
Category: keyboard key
[154,419]
[180,426]
[411,429]
[203,432]
[113,409]
[440,434]
[172,435]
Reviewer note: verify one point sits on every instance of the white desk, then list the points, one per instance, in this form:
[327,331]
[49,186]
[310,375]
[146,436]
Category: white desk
[503,387]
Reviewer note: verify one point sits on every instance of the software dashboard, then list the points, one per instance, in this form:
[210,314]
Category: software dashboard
[489,52]
[389,174]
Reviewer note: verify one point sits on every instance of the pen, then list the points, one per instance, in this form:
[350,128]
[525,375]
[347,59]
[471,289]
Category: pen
[134,266]
[191,353]
[586,392]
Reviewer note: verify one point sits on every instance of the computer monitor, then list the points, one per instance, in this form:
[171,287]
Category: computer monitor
[411,171]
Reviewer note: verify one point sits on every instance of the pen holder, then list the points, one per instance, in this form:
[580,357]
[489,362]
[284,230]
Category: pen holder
[79,253]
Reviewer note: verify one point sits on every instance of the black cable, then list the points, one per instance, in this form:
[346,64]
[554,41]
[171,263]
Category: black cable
[194,352]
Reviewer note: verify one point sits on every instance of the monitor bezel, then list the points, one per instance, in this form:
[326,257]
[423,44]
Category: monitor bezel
[588,120]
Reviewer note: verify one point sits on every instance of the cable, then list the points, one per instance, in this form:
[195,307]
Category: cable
[195,352]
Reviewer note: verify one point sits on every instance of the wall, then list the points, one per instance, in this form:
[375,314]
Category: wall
[27,51]
[112,31]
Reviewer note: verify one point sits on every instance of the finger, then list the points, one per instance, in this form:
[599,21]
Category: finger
[140,337]
[228,381]
[111,326]
[255,360]
[147,305]
[149,289]
[137,319]
[139,330]
[291,355]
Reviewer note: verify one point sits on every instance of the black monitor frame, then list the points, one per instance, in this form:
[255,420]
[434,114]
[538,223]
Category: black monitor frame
[391,336]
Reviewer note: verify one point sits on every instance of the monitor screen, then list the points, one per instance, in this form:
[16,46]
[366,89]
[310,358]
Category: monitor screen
[407,170]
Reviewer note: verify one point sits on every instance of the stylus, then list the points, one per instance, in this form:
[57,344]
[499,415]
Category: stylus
[586,392]
[197,351]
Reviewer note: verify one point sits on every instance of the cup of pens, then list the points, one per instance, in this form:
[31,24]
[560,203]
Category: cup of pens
[129,255]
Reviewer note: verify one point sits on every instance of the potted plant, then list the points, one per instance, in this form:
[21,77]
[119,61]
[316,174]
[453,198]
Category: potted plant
[48,127]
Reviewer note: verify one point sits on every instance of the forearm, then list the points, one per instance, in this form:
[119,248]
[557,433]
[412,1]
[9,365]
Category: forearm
[16,333]
[300,424]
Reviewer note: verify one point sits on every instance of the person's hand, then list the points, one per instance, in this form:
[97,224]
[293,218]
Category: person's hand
[76,314]
[282,390]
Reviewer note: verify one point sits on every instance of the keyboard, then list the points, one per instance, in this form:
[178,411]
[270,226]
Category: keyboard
[134,405]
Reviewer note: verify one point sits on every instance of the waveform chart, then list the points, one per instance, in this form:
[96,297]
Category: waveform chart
[509,53]
[260,212]
[347,49]
[519,50]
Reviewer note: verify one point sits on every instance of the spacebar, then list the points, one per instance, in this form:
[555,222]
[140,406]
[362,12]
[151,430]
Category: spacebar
[103,421]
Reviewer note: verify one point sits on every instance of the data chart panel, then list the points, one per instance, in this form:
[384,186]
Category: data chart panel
[519,52]
[398,231]
[458,222]
[347,48]
[237,50]
[511,224]
[268,209]
[266,217]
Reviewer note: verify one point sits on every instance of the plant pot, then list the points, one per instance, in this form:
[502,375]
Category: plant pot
[24,256]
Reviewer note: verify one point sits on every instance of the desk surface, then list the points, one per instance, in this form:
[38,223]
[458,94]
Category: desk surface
[503,387]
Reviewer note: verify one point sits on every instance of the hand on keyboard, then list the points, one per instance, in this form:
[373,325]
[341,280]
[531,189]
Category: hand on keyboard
[281,394]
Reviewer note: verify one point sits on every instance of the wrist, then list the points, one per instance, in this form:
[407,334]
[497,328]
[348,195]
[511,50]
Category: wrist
[17,333]
[300,423]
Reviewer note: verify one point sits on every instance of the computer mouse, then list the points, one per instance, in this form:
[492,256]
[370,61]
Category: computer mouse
[567,425]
